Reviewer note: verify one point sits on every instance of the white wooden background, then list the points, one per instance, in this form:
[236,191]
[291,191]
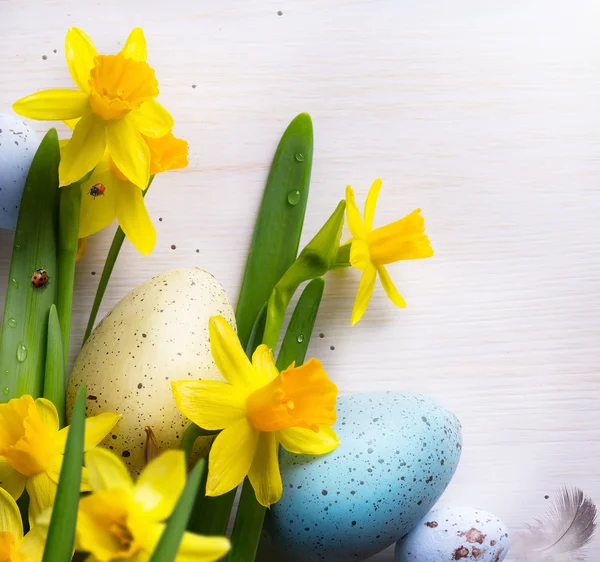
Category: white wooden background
[486,114]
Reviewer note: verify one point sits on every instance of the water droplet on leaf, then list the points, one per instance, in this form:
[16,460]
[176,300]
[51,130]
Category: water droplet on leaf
[12,322]
[293,197]
[5,373]
[6,390]
[299,157]
[21,352]
[300,338]
[15,283]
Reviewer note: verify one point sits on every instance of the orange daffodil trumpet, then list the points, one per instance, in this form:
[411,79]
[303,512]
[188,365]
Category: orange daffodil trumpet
[123,521]
[13,546]
[122,199]
[32,448]
[372,249]
[116,106]
[258,409]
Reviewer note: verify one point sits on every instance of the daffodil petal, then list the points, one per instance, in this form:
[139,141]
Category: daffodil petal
[360,257]
[33,544]
[84,150]
[264,365]
[129,151]
[303,441]
[134,218]
[48,413]
[98,212]
[264,473]
[371,203]
[96,429]
[365,290]
[106,471]
[80,52]
[151,119]
[135,46]
[42,491]
[390,288]
[197,548]
[231,457]
[160,484]
[10,518]
[53,105]
[210,404]
[11,479]
[228,354]
[355,222]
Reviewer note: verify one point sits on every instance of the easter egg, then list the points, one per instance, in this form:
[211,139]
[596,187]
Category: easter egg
[452,533]
[156,334]
[18,144]
[397,454]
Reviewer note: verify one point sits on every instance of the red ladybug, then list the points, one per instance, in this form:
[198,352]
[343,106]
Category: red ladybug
[39,278]
[97,189]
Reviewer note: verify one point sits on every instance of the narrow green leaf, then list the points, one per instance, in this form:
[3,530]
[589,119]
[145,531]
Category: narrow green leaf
[250,515]
[109,265]
[168,545]
[25,322]
[279,224]
[299,330]
[55,381]
[257,332]
[61,533]
[190,435]
[68,236]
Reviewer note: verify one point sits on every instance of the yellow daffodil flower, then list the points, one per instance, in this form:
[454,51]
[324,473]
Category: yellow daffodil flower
[122,199]
[122,521]
[372,248]
[258,409]
[115,102]
[32,448]
[14,547]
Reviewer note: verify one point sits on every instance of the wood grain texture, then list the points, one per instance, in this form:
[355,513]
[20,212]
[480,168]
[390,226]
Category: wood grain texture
[484,114]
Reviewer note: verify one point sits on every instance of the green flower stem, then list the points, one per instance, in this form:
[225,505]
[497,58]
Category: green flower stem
[168,545]
[25,323]
[68,237]
[109,265]
[317,258]
[190,435]
[343,256]
[250,514]
[61,533]
[55,380]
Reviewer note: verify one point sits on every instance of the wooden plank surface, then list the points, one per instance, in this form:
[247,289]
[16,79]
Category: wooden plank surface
[484,114]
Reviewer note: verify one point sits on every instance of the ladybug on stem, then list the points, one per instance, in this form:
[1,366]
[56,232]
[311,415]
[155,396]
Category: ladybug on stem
[97,189]
[39,278]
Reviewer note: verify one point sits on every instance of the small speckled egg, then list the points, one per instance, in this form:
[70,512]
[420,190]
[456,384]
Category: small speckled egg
[452,533]
[18,144]
[397,454]
[156,334]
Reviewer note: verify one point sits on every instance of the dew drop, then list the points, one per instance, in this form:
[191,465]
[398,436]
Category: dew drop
[21,352]
[299,157]
[14,283]
[293,197]
[6,390]
[300,338]
[5,373]
[12,322]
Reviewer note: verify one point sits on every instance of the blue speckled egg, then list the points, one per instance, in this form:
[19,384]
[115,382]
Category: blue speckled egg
[397,455]
[452,533]
[18,144]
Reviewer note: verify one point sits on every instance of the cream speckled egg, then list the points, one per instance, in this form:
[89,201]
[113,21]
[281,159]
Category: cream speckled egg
[156,334]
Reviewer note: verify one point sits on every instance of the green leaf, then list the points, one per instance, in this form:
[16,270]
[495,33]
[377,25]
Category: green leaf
[190,435]
[55,378]
[25,322]
[250,515]
[316,259]
[279,224]
[299,330]
[169,542]
[68,237]
[61,533]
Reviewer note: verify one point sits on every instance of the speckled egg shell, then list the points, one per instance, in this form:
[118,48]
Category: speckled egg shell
[18,144]
[156,334]
[452,533]
[397,455]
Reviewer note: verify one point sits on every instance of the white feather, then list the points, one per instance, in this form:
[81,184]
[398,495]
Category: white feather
[561,535]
